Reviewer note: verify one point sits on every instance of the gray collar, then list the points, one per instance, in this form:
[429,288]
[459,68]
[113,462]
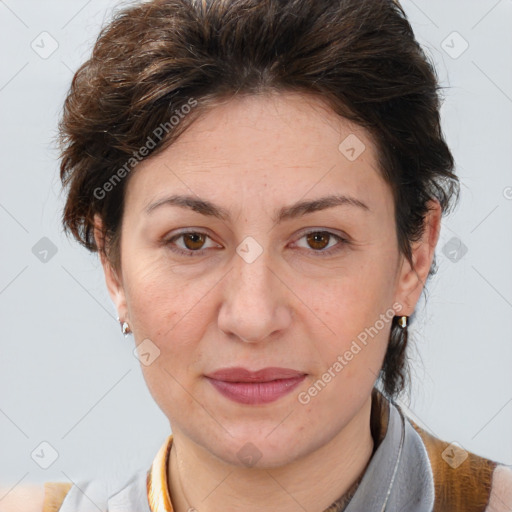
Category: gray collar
[399,476]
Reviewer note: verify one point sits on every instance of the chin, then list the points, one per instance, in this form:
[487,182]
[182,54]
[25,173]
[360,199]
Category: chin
[255,448]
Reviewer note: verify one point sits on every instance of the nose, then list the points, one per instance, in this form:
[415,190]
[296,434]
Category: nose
[255,301]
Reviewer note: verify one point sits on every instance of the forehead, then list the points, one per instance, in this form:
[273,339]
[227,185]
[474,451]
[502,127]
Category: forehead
[271,148]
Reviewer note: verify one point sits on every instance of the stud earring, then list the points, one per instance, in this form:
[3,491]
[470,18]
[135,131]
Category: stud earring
[125,328]
[402,321]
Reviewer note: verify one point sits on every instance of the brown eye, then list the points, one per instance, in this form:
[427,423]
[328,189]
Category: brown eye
[190,243]
[193,241]
[318,239]
[322,243]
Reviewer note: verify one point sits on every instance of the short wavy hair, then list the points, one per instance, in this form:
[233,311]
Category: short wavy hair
[155,58]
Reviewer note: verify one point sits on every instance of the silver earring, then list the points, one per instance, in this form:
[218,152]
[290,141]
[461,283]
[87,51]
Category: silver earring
[125,328]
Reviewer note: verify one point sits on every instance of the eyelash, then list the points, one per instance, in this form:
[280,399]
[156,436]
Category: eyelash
[320,253]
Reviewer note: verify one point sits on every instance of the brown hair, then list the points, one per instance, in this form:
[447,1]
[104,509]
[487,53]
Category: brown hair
[155,58]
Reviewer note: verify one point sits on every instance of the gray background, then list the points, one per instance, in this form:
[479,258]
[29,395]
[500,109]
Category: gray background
[67,375]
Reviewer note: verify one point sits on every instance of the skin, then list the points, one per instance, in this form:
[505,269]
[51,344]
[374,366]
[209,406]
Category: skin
[22,498]
[291,307]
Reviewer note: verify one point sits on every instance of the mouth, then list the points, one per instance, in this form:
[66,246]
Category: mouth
[260,387]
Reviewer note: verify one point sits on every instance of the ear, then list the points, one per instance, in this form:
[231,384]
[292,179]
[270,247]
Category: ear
[411,280]
[112,279]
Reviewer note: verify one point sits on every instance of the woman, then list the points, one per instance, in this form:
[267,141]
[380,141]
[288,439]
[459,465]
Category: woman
[264,182]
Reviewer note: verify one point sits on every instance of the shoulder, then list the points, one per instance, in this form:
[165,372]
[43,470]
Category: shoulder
[113,491]
[464,480]
[34,498]
[107,493]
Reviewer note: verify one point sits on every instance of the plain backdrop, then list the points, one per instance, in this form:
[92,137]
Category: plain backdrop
[69,379]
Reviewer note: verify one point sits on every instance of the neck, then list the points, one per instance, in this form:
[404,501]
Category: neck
[206,484]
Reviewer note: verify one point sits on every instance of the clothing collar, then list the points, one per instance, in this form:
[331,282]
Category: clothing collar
[399,476]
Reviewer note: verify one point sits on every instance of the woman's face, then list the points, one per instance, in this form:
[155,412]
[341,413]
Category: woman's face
[275,272]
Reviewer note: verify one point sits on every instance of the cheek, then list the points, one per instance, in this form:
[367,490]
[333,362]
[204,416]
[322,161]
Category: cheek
[165,310]
[149,295]
[354,314]
[353,297]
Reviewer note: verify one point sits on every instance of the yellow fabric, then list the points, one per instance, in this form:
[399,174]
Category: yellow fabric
[158,492]
[54,494]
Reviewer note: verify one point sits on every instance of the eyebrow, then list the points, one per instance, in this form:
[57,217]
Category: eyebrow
[205,207]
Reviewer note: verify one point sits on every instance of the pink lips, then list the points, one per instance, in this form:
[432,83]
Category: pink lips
[260,387]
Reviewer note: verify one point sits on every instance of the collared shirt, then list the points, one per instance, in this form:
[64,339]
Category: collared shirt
[409,471]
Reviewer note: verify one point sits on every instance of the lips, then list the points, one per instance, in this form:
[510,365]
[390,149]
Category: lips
[264,375]
[252,388]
